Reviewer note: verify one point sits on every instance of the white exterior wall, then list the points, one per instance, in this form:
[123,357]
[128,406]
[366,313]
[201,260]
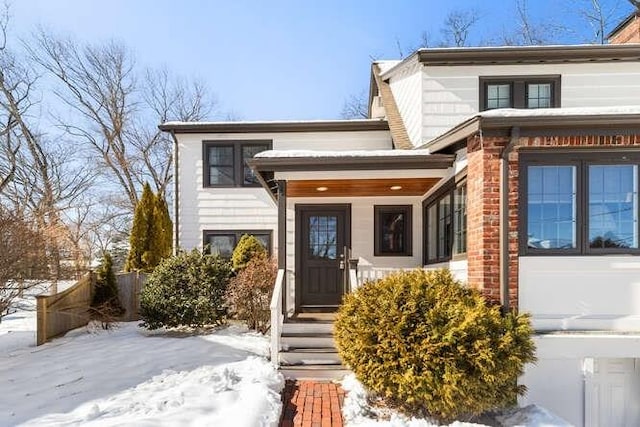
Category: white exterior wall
[246,208]
[588,292]
[362,232]
[451,94]
[406,87]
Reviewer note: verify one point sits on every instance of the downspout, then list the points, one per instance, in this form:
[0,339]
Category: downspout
[504,218]
[176,218]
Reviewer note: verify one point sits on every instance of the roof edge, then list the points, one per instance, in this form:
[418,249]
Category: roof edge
[621,25]
[283,126]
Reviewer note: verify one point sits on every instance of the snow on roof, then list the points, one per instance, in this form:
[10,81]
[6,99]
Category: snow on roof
[338,154]
[565,111]
[386,65]
[263,122]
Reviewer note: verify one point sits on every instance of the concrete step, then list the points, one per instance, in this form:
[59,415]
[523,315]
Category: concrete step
[309,356]
[308,327]
[307,340]
[314,372]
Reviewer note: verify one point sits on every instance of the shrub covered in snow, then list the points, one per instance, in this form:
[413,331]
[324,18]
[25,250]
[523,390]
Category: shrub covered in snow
[248,248]
[185,290]
[249,293]
[432,347]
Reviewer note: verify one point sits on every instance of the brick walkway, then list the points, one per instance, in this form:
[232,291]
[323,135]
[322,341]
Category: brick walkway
[312,404]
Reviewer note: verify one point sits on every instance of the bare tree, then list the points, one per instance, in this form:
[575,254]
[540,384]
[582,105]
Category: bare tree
[457,26]
[118,115]
[529,31]
[599,16]
[356,106]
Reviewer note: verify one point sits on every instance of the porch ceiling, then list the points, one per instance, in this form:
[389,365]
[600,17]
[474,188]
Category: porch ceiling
[360,187]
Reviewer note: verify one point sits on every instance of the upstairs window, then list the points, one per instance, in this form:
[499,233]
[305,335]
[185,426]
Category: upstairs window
[225,163]
[579,203]
[519,92]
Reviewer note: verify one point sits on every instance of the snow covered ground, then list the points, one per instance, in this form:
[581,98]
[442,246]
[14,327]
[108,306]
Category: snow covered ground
[129,376]
[358,413]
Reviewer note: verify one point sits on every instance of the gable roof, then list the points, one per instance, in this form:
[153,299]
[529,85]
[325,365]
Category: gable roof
[621,25]
[399,134]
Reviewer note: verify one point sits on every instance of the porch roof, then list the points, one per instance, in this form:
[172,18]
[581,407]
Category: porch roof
[311,171]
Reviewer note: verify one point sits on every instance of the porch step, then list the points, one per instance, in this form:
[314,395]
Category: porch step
[314,372]
[308,327]
[309,356]
[307,340]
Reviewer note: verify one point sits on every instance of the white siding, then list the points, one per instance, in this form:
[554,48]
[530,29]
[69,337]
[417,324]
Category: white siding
[595,292]
[362,231]
[451,93]
[238,208]
[406,88]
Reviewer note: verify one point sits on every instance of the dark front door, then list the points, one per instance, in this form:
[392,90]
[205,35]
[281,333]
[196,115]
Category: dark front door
[322,232]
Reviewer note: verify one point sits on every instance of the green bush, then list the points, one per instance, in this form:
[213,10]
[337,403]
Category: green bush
[432,347]
[185,290]
[249,293]
[105,304]
[248,248]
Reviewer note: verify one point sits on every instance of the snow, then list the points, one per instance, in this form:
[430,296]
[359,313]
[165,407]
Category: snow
[561,112]
[130,376]
[357,412]
[267,122]
[337,154]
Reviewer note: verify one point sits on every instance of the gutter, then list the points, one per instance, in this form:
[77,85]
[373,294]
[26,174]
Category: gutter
[504,219]
[176,217]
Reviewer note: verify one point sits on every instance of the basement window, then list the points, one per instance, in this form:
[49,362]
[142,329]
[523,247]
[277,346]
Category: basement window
[223,242]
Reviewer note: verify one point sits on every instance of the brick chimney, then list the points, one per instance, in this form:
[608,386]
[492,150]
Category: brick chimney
[628,31]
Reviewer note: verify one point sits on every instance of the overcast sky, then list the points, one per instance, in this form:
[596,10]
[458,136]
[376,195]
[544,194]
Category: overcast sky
[273,59]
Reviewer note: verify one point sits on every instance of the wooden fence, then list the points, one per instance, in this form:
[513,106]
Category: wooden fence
[129,287]
[64,311]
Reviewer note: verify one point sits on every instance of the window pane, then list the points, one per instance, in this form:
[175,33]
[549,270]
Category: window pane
[392,232]
[551,209]
[498,96]
[613,206]
[460,220]
[221,165]
[539,95]
[432,233]
[444,227]
[323,235]
[222,244]
[247,153]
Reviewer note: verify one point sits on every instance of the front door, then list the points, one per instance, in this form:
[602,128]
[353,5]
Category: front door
[322,233]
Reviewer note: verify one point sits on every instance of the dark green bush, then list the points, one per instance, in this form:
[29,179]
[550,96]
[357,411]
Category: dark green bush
[249,293]
[185,290]
[432,347]
[248,248]
[105,304]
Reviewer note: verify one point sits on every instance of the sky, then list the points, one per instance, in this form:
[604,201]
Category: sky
[274,59]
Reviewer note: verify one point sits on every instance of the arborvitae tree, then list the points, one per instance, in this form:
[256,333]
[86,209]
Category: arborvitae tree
[105,302]
[248,248]
[163,227]
[140,232]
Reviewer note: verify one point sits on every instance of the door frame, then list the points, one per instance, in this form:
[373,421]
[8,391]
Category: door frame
[314,207]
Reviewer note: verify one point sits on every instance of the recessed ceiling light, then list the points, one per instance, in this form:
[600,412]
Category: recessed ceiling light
[395,187]
[322,188]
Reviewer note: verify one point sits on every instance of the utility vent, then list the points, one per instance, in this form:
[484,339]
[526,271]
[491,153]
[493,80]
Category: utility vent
[377,108]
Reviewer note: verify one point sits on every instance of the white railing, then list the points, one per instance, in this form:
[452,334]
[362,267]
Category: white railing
[276,316]
[353,280]
[366,274]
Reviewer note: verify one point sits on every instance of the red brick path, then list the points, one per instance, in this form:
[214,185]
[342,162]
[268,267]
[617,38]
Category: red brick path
[312,404]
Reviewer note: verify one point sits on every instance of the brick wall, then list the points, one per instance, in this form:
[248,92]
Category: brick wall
[630,33]
[483,203]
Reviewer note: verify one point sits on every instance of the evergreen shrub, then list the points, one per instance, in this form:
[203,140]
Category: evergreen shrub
[432,347]
[185,290]
[248,248]
[105,304]
[249,293]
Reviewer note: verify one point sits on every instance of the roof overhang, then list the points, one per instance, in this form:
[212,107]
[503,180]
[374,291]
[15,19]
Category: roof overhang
[506,55]
[276,126]
[550,122]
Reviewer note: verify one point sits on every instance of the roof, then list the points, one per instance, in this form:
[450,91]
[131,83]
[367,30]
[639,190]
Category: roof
[276,126]
[624,23]
[304,160]
[597,119]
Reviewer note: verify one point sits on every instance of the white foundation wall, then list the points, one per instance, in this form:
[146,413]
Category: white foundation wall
[586,293]
[246,208]
[362,232]
[450,94]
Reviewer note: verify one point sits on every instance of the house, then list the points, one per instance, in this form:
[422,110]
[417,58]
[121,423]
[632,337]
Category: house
[515,167]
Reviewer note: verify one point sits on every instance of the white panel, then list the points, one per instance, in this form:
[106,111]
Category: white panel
[562,292]
[406,88]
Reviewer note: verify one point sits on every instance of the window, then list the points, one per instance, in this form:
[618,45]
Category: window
[392,230]
[579,203]
[446,224]
[224,242]
[225,163]
[519,92]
